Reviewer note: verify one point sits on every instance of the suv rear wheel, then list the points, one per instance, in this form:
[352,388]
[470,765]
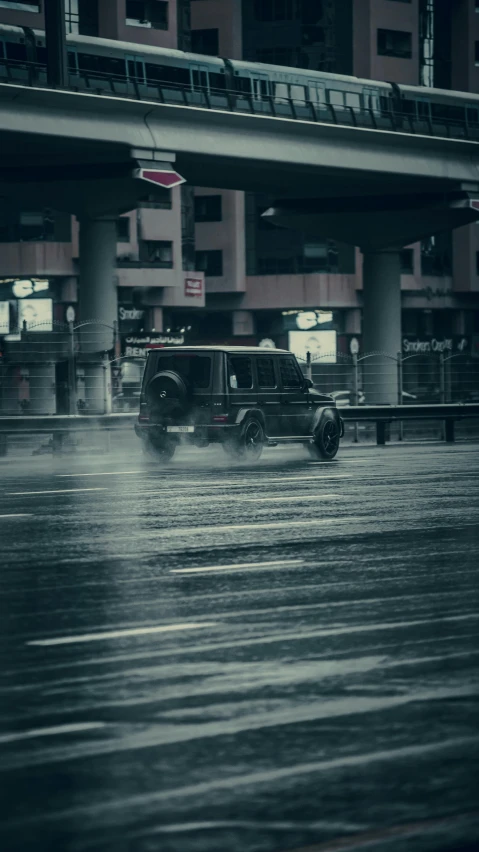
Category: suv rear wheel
[160,451]
[325,443]
[249,445]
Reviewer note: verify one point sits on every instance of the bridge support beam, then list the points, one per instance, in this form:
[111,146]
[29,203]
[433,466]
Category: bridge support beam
[381,325]
[98,303]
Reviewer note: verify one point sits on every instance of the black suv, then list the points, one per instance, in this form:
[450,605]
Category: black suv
[240,397]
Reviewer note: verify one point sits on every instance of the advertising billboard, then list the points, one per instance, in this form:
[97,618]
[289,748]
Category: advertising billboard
[321,344]
[4,317]
[37,313]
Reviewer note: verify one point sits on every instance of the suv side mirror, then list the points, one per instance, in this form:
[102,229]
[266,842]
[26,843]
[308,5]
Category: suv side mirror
[308,384]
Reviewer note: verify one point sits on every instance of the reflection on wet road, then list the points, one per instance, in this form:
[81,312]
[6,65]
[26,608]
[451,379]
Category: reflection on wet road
[203,659]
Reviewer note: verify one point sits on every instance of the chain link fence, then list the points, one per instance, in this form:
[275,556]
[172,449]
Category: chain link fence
[70,369]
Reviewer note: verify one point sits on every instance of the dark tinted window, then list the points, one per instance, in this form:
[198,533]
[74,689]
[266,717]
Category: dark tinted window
[205,41]
[240,374]
[210,262]
[195,369]
[104,66]
[16,52]
[156,251]
[394,43]
[290,375]
[217,81]
[266,377]
[207,208]
[164,74]
[123,229]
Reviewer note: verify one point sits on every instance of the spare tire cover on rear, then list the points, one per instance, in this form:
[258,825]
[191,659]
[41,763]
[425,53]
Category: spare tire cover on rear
[167,395]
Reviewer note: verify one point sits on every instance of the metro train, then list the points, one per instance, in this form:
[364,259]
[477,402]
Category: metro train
[128,69]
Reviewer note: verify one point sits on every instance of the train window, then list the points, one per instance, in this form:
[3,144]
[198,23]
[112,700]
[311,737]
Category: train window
[103,66]
[164,74]
[72,62]
[297,93]
[473,115]
[260,88]
[135,70]
[353,100]
[408,107]
[423,109]
[281,90]
[243,85]
[42,55]
[371,99]
[448,113]
[16,52]
[336,98]
[217,81]
[199,79]
[2,50]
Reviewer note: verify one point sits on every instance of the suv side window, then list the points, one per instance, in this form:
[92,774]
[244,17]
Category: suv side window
[266,376]
[291,376]
[240,372]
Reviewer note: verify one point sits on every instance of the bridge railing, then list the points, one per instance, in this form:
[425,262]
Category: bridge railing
[387,116]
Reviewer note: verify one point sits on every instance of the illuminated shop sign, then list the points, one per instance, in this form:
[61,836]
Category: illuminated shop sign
[321,344]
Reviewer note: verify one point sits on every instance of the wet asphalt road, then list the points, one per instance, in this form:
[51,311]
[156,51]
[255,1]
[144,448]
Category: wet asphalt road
[211,659]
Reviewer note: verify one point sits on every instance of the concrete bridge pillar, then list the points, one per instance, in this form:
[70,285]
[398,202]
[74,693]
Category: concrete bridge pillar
[98,302]
[381,325]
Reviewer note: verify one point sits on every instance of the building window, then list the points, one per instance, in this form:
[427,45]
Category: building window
[436,255]
[208,208]
[274,10]
[159,252]
[123,229]
[395,43]
[407,262]
[161,200]
[21,5]
[276,56]
[147,13]
[205,42]
[209,262]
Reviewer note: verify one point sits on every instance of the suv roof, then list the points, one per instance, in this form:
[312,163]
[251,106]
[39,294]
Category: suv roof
[252,350]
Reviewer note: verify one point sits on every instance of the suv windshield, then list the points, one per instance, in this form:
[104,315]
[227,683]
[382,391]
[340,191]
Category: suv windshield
[195,369]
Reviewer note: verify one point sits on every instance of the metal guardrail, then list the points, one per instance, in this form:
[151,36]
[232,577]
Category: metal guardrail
[60,425]
[383,415]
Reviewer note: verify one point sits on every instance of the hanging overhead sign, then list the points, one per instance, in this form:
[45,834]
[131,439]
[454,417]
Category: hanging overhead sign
[167,178]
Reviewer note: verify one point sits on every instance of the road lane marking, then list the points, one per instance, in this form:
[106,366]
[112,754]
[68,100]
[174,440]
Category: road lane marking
[105,473]
[291,498]
[119,634]
[18,515]
[55,731]
[219,528]
[55,491]
[238,567]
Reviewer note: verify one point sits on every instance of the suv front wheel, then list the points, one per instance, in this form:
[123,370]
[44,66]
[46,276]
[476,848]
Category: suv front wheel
[325,442]
[249,444]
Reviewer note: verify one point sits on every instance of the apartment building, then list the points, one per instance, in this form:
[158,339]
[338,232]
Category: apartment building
[257,277]
[420,42]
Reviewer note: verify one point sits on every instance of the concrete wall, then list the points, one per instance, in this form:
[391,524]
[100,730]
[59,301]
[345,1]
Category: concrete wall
[36,258]
[112,24]
[368,17]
